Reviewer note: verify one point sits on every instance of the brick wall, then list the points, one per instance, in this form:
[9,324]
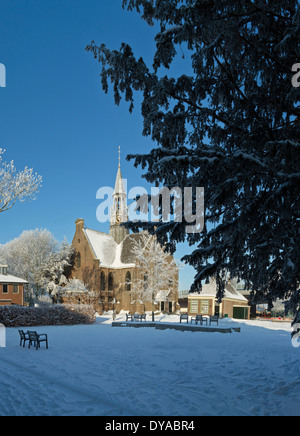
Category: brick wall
[10,295]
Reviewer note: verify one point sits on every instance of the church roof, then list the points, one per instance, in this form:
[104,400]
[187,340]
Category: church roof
[108,252]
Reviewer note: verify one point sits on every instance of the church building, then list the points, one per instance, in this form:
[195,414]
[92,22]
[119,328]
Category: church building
[106,265]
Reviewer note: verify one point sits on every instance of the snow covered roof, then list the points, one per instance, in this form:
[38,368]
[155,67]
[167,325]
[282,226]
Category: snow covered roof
[108,252]
[210,290]
[11,279]
[162,295]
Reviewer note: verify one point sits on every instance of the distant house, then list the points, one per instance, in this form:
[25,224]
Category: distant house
[234,304]
[11,288]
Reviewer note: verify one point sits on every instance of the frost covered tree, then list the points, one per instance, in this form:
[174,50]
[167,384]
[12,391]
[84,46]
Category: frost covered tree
[16,186]
[67,288]
[226,118]
[37,257]
[157,270]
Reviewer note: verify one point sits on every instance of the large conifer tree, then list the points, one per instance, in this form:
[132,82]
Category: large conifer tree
[229,123]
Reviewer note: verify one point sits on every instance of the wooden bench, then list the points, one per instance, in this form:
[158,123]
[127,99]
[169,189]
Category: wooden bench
[214,319]
[37,339]
[23,338]
[200,319]
[183,317]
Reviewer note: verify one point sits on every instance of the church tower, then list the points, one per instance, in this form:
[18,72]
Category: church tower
[118,214]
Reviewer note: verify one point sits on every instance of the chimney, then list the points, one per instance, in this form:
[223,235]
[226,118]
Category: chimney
[79,224]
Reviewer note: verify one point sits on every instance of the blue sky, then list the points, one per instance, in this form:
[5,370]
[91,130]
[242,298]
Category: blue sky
[54,116]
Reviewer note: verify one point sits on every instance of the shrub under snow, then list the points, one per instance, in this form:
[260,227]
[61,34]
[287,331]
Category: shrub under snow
[17,316]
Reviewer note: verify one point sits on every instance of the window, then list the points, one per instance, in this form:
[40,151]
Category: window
[5,289]
[128,282]
[205,307]
[110,282]
[3,270]
[194,306]
[16,289]
[102,282]
[145,282]
[78,260]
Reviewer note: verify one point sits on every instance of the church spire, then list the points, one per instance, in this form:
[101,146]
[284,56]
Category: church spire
[119,209]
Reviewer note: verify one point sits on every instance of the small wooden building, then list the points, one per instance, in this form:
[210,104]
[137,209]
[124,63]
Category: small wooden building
[11,288]
[234,304]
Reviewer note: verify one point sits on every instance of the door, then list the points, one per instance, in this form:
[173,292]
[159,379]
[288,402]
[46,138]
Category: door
[240,312]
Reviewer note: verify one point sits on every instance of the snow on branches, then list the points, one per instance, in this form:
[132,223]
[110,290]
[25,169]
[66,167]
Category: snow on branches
[37,257]
[14,186]
[157,270]
[226,119]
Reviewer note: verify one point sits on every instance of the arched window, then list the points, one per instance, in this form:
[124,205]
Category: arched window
[78,260]
[145,282]
[110,282]
[102,282]
[128,282]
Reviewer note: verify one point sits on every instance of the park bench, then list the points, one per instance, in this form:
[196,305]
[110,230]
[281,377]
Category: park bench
[183,317]
[200,319]
[36,339]
[138,317]
[214,319]
[23,338]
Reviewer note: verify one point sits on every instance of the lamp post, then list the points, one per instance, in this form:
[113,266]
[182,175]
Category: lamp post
[114,309]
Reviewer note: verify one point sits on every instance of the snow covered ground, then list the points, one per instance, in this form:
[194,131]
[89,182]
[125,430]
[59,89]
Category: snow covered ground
[100,370]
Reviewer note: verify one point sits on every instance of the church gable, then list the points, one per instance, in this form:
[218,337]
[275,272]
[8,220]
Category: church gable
[103,246]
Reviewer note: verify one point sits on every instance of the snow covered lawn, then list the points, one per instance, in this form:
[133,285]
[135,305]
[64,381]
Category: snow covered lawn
[100,370]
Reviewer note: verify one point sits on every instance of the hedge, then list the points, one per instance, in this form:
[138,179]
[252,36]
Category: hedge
[18,316]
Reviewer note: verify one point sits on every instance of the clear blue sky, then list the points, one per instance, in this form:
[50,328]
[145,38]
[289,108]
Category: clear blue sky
[54,116]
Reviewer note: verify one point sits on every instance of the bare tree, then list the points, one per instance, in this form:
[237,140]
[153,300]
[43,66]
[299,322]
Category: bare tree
[157,269]
[14,186]
[37,257]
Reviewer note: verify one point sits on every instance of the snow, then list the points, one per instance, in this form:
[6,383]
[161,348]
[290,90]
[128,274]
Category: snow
[4,278]
[100,370]
[210,289]
[106,249]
